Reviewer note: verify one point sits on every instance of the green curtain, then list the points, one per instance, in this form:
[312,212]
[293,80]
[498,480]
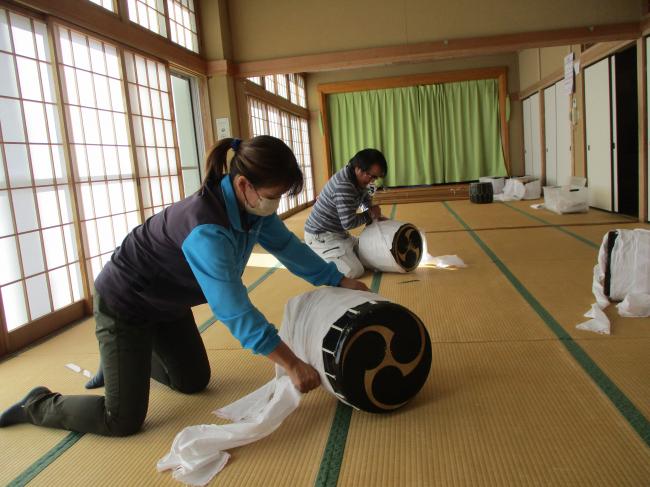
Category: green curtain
[382,119]
[429,134]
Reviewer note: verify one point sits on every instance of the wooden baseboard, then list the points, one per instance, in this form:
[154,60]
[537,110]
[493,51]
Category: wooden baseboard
[419,194]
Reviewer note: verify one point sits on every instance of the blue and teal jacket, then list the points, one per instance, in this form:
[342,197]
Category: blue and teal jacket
[194,252]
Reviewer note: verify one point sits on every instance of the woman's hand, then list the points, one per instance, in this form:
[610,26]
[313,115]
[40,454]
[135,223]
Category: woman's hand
[304,376]
[348,283]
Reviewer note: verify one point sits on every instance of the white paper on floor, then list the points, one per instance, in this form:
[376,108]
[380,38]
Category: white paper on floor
[630,280]
[77,369]
[441,261]
[73,367]
[197,453]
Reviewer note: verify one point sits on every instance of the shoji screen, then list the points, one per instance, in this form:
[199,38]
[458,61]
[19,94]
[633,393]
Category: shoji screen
[266,119]
[96,115]
[39,261]
[150,103]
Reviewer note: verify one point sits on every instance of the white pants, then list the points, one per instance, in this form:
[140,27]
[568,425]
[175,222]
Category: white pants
[337,248]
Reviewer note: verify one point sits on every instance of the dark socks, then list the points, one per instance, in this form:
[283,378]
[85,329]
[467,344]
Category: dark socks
[97,380]
[16,413]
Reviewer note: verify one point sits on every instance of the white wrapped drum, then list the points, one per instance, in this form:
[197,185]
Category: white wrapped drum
[622,273]
[390,246]
[624,258]
[372,354]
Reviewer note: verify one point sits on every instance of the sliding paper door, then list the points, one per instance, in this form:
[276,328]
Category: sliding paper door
[550,129]
[598,124]
[564,159]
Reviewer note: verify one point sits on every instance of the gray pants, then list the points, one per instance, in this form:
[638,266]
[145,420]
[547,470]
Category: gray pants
[170,352]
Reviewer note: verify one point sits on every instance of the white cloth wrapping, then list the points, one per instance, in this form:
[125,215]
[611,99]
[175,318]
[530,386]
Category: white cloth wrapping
[197,453]
[629,279]
[523,188]
[375,243]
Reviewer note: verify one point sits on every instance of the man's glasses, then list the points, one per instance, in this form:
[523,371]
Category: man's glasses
[373,177]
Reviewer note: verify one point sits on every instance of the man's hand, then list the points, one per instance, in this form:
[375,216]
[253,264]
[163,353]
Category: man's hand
[348,283]
[375,212]
[304,376]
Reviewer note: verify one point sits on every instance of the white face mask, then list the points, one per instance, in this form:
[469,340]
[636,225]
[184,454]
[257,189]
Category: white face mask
[265,206]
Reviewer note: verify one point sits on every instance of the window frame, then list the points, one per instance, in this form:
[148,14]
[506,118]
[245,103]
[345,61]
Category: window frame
[35,329]
[294,85]
[249,89]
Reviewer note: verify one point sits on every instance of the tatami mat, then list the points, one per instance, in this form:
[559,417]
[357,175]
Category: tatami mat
[506,403]
[493,215]
[97,460]
[626,362]
[595,233]
[429,217]
[498,414]
[592,217]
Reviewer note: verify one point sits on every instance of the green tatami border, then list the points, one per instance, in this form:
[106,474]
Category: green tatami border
[628,410]
[562,228]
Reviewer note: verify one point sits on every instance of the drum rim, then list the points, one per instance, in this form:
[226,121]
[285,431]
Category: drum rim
[336,375]
[394,251]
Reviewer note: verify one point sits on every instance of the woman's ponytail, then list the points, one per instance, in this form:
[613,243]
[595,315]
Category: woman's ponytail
[216,161]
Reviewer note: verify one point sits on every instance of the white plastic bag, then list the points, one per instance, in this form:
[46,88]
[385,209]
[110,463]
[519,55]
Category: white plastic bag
[522,188]
[566,199]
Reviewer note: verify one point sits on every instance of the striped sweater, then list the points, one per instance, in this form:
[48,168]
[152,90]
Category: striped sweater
[336,207]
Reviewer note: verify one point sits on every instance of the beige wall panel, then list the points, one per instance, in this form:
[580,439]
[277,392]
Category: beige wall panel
[528,68]
[212,43]
[474,18]
[223,103]
[266,30]
[313,99]
[551,59]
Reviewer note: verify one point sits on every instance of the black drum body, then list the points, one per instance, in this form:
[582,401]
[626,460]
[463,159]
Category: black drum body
[377,356]
[481,192]
[611,240]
